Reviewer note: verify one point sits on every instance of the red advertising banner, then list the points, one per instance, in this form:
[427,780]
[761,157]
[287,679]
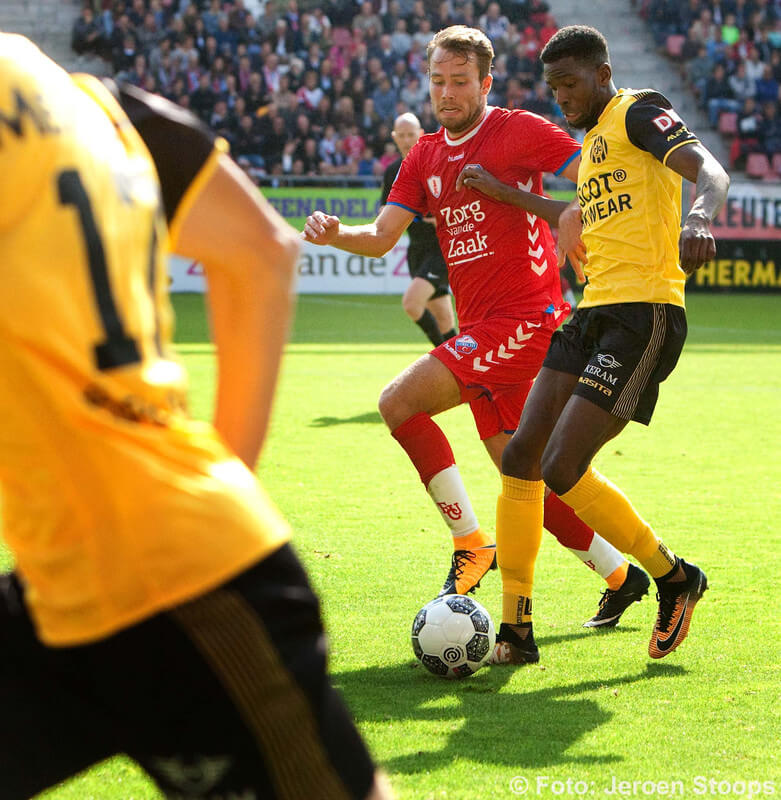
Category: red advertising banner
[752,211]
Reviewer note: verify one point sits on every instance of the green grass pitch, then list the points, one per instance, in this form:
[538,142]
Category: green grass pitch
[704,722]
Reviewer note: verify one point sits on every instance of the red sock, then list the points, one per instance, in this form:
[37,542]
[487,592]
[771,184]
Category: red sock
[565,524]
[426,445]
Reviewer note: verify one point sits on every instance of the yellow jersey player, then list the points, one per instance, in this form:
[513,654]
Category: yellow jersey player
[156,607]
[604,367]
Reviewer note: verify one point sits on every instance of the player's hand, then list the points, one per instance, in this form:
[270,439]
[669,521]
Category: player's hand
[475,177]
[570,245]
[320,228]
[696,243]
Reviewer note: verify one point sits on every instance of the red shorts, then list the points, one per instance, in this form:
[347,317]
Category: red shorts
[495,363]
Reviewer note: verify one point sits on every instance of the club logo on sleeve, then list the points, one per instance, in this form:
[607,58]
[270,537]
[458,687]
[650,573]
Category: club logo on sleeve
[465,344]
[666,120]
[598,150]
[435,185]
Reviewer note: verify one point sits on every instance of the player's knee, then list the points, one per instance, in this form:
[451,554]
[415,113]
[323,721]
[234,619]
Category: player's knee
[559,470]
[412,307]
[391,407]
[518,460]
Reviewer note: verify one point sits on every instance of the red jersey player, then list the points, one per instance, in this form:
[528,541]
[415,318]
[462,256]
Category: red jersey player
[502,270]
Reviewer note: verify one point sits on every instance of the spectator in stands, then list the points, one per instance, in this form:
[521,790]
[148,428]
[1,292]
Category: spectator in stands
[541,102]
[87,35]
[204,98]
[310,94]
[742,86]
[401,41]
[663,17]
[494,24]
[754,67]
[718,95]
[730,33]
[385,97]
[770,129]
[703,28]
[274,142]
[747,140]
[767,86]
[367,21]
[414,92]
[697,72]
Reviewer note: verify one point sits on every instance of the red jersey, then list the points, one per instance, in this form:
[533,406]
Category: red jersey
[501,260]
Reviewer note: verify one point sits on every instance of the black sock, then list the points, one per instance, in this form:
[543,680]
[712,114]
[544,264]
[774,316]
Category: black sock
[449,334]
[428,325]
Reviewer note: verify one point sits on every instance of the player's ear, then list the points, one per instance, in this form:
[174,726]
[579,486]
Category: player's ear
[485,87]
[604,74]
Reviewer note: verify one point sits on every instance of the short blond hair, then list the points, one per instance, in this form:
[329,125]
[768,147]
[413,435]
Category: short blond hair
[465,42]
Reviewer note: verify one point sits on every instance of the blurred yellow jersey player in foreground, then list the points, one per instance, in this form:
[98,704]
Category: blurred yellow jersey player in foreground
[156,608]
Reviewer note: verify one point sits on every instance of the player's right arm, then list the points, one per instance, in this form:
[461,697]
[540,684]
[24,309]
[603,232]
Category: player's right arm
[373,239]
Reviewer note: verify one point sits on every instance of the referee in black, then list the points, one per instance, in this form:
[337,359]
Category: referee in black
[427,299]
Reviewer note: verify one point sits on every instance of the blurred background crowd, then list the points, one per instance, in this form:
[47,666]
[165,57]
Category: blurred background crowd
[311,87]
[730,57]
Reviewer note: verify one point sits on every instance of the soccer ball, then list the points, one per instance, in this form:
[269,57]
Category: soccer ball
[453,636]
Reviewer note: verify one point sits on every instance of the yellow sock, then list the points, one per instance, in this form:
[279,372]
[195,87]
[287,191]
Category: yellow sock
[603,506]
[518,536]
[471,541]
[617,576]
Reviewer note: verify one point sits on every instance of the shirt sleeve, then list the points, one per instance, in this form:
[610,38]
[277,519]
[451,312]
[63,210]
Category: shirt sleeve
[407,190]
[178,142]
[540,145]
[653,125]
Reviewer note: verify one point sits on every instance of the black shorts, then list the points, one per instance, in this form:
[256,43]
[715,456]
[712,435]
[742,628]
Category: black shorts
[621,352]
[223,696]
[430,266]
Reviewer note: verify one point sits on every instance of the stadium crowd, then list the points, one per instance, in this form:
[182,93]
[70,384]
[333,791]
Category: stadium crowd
[730,56]
[309,88]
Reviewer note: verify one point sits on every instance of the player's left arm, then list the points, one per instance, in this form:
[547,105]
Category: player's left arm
[565,216]
[653,125]
[698,165]
[479,179]
[218,217]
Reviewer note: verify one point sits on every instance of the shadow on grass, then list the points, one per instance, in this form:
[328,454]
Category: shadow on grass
[519,729]
[372,417]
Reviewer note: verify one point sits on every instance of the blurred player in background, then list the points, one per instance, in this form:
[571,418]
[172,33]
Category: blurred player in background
[156,607]
[502,269]
[427,299]
[604,367]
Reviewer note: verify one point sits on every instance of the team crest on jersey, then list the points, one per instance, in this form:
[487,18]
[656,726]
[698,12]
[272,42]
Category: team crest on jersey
[435,185]
[598,150]
[465,344]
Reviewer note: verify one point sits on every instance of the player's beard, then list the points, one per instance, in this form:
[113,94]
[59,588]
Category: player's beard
[463,127]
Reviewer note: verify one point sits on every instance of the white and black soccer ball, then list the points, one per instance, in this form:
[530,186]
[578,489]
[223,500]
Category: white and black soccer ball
[453,636]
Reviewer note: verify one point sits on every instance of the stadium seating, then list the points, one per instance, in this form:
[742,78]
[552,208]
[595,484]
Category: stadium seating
[728,123]
[758,166]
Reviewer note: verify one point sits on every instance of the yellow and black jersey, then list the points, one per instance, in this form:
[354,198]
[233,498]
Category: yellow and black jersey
[631,202]
[115,503]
